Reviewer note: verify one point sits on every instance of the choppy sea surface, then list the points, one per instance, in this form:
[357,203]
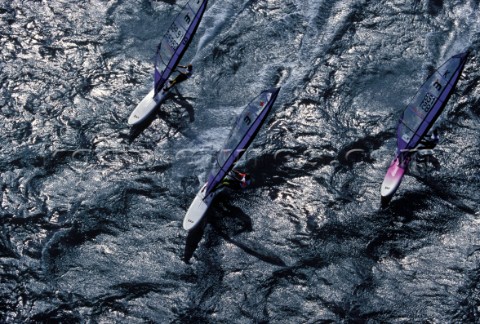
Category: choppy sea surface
[91,209]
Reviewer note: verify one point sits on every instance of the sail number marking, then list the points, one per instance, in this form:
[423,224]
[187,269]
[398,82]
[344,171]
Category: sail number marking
[427,102]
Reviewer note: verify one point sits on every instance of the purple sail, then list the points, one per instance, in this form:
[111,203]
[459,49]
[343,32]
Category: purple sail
[243,132]
[176,40]
[428,104]
[418,117]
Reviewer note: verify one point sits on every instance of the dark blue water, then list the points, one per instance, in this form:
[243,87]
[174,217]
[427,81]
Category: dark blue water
[91,210]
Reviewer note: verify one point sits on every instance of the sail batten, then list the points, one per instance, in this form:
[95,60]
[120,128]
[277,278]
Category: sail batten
[244,130]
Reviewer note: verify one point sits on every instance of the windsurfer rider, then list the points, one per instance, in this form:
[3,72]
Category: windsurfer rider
[425,150]
[429,142]
[236,179]
[184,75]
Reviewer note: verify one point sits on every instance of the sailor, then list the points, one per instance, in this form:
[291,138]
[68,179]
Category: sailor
[184,75]
[428,143]
[425,150]
[236,179]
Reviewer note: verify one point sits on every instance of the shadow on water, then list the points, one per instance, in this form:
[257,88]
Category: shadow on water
[183,102]
[228,221]
[138,129]
[397,230]
[360,150]
[171,118]
[403,226]
[438,188]
[255,249]
[406,204]
[194,237]
[171,2]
